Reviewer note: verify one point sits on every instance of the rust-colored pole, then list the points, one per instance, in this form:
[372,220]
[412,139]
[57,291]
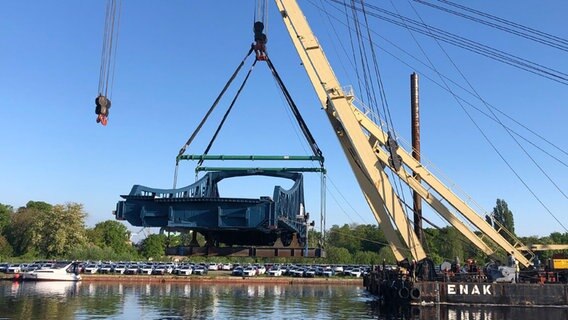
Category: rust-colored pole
[415,111]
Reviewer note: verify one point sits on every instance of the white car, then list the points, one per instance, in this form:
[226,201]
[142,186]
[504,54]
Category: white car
[338,269]
[106,268]
[14,268]
[185,270]
[227,266]
[250,271]
[261,269]
[355,272]
[297,272]
[213,267]
[119,268]
[146,269]
[160,269]
[275,272]
[132,269]
[92,268]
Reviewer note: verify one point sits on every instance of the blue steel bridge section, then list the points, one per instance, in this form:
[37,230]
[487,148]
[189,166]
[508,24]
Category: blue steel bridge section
[232,221]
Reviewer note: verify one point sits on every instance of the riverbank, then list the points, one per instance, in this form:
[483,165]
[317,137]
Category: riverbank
[211,278]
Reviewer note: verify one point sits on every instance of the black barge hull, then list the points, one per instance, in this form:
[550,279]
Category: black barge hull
[468,293]
[500,294]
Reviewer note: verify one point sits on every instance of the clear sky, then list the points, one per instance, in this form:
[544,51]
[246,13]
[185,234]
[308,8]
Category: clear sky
[175,56]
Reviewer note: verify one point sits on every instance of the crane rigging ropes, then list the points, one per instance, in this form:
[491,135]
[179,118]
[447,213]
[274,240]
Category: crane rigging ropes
[461,42]
[106,77]
[501,24]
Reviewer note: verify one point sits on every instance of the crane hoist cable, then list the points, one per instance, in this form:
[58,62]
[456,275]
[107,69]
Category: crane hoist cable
[106,76]
[260,30]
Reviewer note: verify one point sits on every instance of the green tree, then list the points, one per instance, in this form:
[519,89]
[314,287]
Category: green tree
[344,237]
[444,244]
[371,237]
[504,216]
[111,234]
[39,205]
[22,232]
[6,212]
[172,239]
[153,246]
[338,255]
[367,257]
[314,239]
[5,248]
[559,238]
[60,229]
[386,255]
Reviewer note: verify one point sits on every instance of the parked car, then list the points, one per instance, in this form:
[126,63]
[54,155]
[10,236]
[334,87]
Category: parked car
[355,272]
[250,271]
[119,268]
[92,268]
[338,269]
[227,266]
[297,272]
[238,271]
[275,272]
[213,267]
[184,270]
[200,270]
[106,268]
[14,268]
[4,267]
[328,272]
[310,273]
[132,268]
[146,268]
[160,269]
[260,269]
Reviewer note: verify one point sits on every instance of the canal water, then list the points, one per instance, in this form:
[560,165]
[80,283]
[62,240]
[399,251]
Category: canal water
[130,300]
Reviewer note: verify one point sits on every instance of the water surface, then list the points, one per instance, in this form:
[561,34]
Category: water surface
[132,300]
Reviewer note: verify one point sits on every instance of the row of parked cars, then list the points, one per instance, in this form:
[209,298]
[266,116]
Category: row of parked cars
[25,267]
[134,268]
[186,269]
[277,270]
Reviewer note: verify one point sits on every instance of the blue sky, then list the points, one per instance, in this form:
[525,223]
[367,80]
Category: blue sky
[175,56]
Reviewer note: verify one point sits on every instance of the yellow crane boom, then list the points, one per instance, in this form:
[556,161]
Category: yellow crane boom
[366,147]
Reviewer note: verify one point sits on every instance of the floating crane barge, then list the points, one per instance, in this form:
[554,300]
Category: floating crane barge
[371,150]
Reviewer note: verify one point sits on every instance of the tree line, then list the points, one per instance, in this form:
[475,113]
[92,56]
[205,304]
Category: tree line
[44,231]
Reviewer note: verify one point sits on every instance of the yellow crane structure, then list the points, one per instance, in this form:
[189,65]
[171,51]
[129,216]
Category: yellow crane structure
[371,151]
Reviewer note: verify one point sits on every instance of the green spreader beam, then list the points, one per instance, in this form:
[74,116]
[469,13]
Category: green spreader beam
[202,157]
[248,157]
[283,169]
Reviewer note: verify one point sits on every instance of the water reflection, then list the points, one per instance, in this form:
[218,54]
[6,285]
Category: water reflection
[101,300]
[492,313]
